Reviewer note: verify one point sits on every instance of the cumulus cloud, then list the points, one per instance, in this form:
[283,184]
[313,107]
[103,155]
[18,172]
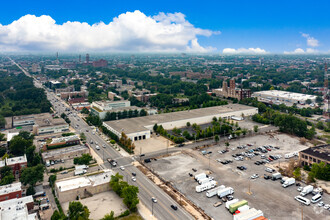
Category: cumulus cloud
[244,51]
[301,51]
[311,41]
[131,31]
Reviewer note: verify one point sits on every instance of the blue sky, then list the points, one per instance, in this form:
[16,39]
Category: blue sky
[272,26]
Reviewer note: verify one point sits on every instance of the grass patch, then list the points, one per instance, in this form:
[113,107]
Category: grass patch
[133,216]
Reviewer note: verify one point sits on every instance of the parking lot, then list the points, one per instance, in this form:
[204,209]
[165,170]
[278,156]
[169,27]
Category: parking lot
[269,196]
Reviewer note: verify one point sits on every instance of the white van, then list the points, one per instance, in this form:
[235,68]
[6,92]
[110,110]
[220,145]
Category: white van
[316,198]
[97,147]
[303,200]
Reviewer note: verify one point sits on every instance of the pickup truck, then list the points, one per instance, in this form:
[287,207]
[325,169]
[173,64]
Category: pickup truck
[112,162]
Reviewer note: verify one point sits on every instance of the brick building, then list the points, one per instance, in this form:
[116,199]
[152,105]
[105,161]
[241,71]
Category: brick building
[17,164]
[10,191]
[315,155]
[232,91]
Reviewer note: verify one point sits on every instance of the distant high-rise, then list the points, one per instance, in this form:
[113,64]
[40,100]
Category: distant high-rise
[87,58]
[79,58]
[57,55]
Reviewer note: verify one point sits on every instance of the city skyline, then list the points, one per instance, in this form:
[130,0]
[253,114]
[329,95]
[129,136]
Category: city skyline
[218,27]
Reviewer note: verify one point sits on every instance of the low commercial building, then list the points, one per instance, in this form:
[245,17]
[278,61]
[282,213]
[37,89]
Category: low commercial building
[82,187]
[10,191]
[283,97]
[64,141]
[141,128]
[65,153]
[18,208]
[43,123]
[316,154]
[17,164]
[101,108]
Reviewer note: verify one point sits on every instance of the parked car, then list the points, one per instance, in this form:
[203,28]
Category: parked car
[300,189]
[217,204]
[154,199]
[122,168]
[133,179]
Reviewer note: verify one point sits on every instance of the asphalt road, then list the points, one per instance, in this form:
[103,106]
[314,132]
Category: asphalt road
[147,189]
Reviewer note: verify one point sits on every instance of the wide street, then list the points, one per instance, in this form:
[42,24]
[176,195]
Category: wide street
[147,189]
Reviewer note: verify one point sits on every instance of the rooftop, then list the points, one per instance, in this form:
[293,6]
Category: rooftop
[45,120]
[139,124]
[2,163]
[16,209]
[285,94]
[322,151]
[15,160]
[84,181]
[14,187]
[61,151]
[65,139]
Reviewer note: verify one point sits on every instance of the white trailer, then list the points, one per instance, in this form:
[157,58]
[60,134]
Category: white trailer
[289,182]
[206,186]
[225,192]
[243,208]
[249,214]
[203,181]
[306,190]
[81,167]
[276,176]
[213,192]
[289,155]
[231,202]
[79,172]
[200,176]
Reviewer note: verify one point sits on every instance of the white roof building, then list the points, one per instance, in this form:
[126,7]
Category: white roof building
[16,209]
[14,187]
[15,160]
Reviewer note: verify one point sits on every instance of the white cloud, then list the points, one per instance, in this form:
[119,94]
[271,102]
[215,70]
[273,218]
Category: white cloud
[131,31]
[244,51]
[311,41]
[301,51]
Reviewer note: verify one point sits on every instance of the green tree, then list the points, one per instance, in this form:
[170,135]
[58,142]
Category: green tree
[30,191]
[31,175]
[130,195]
[109,216]
[51,180]
[58,216]
[2,137]
[297,173]
[188,124]
[216,138]
[7,176]
[114,183]
[84,159]
[85,111]
[18,145]
[78,211]
[82,136]
[255,128]
[155,127]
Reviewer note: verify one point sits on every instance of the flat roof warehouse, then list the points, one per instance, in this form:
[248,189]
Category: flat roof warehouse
[177,119]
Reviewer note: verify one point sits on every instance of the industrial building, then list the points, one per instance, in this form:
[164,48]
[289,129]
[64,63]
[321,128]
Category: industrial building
[283,97]
[18,208]
[100,108]
[65,153]
[40,124]
[316,154]
[141,128]
[82,187]
[64,141]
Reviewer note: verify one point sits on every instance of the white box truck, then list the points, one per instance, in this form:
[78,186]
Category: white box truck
[231,202]
[205,180]
[213,192]
[276,176]
[79,172]
[206,186]
[243,208]
[306,190]
[225,192]
[200,176]
[289,182]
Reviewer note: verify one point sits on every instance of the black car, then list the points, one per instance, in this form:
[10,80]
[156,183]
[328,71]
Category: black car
[193,169]
[174,207]
[298,184]
[147,160]
[190,174]
[180,145]
[134,174]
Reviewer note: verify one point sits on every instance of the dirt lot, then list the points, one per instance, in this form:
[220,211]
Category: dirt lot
[101,204]
[152,144]
[269,196]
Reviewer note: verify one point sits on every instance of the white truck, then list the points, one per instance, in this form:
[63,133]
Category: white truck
[289,182]
[225,192]
[206,186]
[79,172]
[306,190]
[317,191]
[276,176]
[212,192]
[243,208]
[231,202]
[204,180]
[200,176]
[81,167]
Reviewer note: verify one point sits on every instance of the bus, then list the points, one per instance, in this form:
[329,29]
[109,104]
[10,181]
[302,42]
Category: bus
[303,200]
